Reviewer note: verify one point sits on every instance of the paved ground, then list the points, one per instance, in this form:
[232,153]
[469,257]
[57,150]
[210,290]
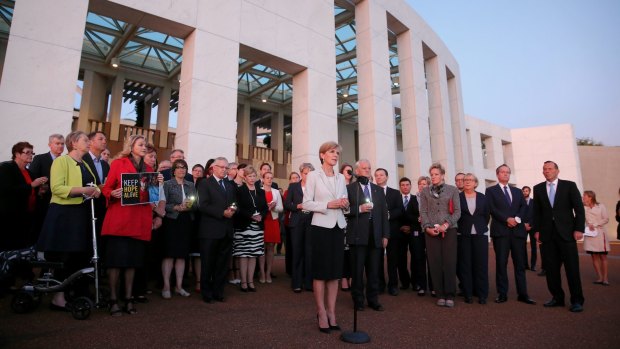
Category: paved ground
[275,317]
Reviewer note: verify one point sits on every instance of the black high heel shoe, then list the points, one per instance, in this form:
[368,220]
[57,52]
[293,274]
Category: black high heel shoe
[333,327]
[251,288]
[243,289]
[323,329]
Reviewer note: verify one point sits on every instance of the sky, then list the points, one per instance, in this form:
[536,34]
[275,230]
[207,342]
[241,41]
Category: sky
[532,63]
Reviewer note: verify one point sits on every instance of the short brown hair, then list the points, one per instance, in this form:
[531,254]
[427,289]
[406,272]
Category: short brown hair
[19,148]
[438,166]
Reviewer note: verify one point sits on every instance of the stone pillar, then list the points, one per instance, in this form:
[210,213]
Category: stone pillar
[277,135]
[414,106]
[457,117]
[208,96]
[40,71]
[94,96]
[440,120]
[147,114]
[243,129]
[377,133]
[116,103]
[163,115]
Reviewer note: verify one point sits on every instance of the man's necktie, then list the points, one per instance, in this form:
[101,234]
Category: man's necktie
[222,184]
[551,193]
[99,169]
[507,195]
[366,192]
[406,201]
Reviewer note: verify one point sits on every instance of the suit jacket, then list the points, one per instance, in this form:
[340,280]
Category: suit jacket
[318,194]
[529,213]
[359,223]
[248,205]
[501,211]
[411,215]
[212,202]
[480,218]
[14,197]
[294,196]
[105,167]
[396,211]
[41,165]
[567,213]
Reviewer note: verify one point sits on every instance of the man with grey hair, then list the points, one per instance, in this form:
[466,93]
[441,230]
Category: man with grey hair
[368,231]
[40,167]
[177,154]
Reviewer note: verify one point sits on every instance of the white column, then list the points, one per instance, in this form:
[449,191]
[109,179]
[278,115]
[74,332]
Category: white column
[440,121]
[116,103]
[457,116]
[93,104]
[277,135]
[377,134]
[163,115]
[243,129]
[40,71]
[414,106]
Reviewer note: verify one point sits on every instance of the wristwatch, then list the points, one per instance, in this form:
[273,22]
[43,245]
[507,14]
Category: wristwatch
[518,220]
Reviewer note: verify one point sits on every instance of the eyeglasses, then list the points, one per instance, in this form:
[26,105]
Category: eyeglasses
[232,168]
[28,152]
[222,167]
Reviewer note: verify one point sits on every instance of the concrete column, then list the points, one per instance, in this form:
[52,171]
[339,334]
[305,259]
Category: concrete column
[116,102]
[377,134]
[208,97]
[414,106]
[40,71]
[457,117]
[147,114]
[440,120]
[277,135]
[163,115]
[93,104]
[243,129]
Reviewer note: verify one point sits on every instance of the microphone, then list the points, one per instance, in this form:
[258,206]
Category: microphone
[362,179]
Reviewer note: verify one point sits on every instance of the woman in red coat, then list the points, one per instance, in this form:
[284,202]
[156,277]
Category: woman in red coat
[126,228]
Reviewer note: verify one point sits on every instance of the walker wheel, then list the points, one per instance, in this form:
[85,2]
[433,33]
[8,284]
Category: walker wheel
[80,308]
[22,303]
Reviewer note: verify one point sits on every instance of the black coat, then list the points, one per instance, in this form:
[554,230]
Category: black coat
[359,223]
[480,218]
[567,213]
[213,201]
[15,218]
[246,203]
[396,211]
[294,196]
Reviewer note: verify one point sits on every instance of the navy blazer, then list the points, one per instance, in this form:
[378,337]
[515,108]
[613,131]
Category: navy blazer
[358,227]
[480,218]
[412,214]
[500,211]
[396,210]
[294,196]
[567,213]
[212,202]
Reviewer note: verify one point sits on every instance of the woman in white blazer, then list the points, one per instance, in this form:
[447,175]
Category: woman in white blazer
[326,196]
[272,227]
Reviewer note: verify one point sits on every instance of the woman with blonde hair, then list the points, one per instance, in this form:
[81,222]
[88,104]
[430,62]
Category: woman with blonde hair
[595,241]
[126,228]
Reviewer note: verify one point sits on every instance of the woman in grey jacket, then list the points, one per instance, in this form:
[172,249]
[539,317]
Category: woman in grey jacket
[180,202]
[440,209]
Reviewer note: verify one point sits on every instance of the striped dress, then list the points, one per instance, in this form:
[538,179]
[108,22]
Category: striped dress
[248,242]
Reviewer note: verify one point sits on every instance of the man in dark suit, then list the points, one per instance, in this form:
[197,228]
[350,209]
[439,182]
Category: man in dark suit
[528,228]
[100,169]
[410,226]
[508,210]
[216,195]
[368,231]
[397,243]
[40,167]
[559,221]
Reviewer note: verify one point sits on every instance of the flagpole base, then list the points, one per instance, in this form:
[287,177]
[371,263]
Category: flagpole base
[358,337]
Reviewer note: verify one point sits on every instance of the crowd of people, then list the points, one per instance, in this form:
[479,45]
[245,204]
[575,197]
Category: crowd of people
[223,222]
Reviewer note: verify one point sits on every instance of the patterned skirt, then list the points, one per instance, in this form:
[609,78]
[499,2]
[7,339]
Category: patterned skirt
[249,242]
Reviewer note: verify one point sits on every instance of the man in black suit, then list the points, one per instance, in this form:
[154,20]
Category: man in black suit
[415,236]
[100,168]
[397,243]
[528,228]
[559,221]
[40,167]
[216,195]
[368,231]
[508,210]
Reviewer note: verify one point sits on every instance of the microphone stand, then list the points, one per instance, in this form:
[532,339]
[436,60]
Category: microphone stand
[355,336]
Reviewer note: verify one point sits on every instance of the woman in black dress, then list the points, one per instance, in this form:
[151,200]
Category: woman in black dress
[178,227]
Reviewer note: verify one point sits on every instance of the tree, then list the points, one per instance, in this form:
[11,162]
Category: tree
[588,141]
[139,109]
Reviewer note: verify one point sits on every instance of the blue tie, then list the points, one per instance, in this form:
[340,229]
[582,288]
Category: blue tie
[507,195]
[366,192]
[406,201]
[99,169]
[222,184]
[551,193]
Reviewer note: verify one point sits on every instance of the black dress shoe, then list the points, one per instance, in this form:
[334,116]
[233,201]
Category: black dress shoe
[376,306]
[554,303]
[393,291]
[403,287]
[526,300]
[533,269]
[207,300]
[576,308]
[482,301]
[542,272]
[359,306]
[501,299]
[55,307]
[469,300]
[219,299]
